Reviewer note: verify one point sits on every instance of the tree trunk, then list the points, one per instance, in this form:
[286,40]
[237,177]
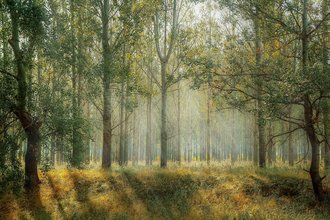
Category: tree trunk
[134,144]
[315,145]
[126,127]
[233,150]
[75,136]
[31,169]
[107,133]
[31,128]
[292,155]
[261,126]
[179,126]
[163,131]
[308,116]
[148,133]
[122,124]
[326,123]
[208,124]
[164,58]
[326,105]
[255,142]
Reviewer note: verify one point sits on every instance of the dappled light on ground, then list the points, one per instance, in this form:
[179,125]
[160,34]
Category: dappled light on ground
[176,193]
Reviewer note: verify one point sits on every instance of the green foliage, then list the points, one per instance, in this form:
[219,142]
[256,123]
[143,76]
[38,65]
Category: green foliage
[11,173]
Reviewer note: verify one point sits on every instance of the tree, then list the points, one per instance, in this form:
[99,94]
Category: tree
[106,152]
[259,82]
[164,55]
[325,105]
[27,19]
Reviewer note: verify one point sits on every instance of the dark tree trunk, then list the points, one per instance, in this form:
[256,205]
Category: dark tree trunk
[326,104]
[315,145]
[31,128]
[308,116]
[327,142]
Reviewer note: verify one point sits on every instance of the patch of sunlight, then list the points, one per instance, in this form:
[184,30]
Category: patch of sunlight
[192,191]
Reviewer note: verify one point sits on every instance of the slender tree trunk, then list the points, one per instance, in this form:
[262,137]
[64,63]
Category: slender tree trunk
[315,145]
[292,155]
[164,56]
[122,124]
[326,105]
[107,133]
[89,141]
[308,115]
[76,68]
[126,127]
[163,129]
[148,133]
[179,126]
[255,142]
[326,124]
[270,145]
[261,126]
[233,149]
[134,144]
[208,124]
[191,138]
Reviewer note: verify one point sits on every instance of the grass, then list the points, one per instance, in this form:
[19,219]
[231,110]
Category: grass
[187,192]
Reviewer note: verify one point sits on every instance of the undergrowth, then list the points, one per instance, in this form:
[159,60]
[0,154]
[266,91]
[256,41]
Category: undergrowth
[187,192]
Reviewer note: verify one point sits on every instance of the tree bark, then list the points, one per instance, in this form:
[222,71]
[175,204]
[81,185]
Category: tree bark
[179,126]
[255,141]
[261,123]
[126,125]
[326,105]
[122,124]
[31,128]
[292,155]
[308,116]
[163,129]
[148,134]
[107,133]
[208,123]
[326,124]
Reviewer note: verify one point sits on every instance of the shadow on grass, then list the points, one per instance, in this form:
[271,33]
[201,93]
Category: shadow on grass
[35,206]
[82,187]
[279,185]
[298,190]
[58,200]
[165,195]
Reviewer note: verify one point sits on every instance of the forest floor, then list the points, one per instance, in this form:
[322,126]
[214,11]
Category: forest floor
[186,192]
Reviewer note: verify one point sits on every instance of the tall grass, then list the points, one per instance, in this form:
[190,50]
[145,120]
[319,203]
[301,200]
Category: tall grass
[191,191]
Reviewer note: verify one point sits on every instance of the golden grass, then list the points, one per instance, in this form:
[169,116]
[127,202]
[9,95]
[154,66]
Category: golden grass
[187,192]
